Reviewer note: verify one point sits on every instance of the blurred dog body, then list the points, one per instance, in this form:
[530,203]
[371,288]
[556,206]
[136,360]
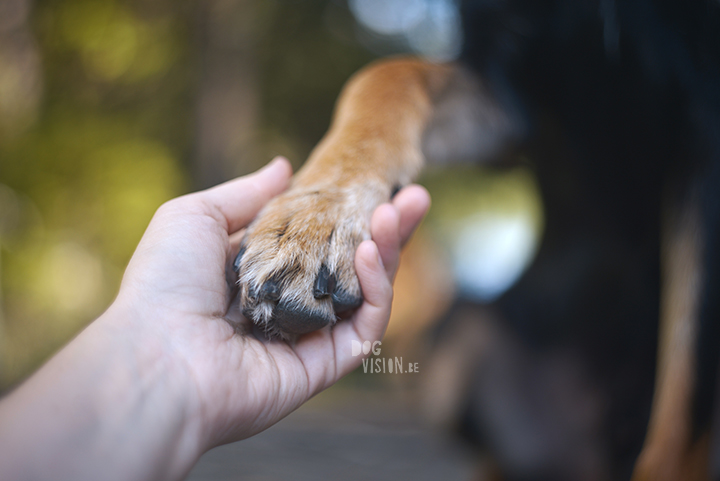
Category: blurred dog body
[618,105]
[601,362]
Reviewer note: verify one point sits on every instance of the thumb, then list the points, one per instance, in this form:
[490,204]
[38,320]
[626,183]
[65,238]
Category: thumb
[239,200]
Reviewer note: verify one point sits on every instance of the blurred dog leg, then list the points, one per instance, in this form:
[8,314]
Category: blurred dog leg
[424,290]
[454,364]
[670,453]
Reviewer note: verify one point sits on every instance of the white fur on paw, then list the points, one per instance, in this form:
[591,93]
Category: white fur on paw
[296,266]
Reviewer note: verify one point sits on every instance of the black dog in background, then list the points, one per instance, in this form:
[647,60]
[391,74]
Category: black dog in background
[601,362]
[622,108]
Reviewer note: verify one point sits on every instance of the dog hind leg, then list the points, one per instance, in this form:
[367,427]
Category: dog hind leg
[671,452]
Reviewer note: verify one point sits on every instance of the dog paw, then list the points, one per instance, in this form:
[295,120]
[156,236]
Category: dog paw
[296,262]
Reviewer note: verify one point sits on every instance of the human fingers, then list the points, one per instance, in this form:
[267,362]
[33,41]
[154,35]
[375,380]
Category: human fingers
[413,203]
[371,319]
[385,231]
[392,224]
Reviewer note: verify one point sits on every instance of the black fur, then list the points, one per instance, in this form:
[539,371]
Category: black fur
[622,100]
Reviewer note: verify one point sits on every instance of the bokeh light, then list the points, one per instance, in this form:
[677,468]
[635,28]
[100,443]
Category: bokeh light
[430,28]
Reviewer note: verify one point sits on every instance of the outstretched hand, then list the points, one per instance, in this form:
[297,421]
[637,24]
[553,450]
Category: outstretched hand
[166,372]
[245,383]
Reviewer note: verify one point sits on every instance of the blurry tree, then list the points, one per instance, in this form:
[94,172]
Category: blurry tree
[78,186]
[227,97]
[110,107]
[20,77]
[307,52]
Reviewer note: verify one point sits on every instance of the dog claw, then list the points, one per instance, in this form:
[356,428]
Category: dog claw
[395,190]
[238,260]
[298,274]
[324,284]
[270,291]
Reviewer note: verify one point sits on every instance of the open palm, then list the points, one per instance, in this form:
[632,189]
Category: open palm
[240,382]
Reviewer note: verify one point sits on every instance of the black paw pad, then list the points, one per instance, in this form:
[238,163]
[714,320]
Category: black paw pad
[297,321]
[344,301]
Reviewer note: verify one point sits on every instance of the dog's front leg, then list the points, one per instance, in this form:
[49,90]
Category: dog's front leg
[296,270]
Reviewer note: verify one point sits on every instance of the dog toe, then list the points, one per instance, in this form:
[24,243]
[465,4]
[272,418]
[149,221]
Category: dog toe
[297,320]
[304,278]
[343,301]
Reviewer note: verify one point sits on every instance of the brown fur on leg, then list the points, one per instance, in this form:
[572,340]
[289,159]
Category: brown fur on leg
[296,273]
[669,453]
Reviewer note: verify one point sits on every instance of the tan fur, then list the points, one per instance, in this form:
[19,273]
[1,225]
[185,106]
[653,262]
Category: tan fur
[424,290]
[668,454]
[372,146]
[449,376]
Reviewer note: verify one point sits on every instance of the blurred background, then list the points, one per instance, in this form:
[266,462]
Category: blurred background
[110,107]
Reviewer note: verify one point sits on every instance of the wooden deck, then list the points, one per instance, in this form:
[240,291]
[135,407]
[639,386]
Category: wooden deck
[347,433]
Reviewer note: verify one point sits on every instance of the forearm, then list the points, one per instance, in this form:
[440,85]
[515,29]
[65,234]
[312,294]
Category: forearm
[105,407]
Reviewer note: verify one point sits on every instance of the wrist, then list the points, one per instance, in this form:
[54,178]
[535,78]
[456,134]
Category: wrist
[154,387]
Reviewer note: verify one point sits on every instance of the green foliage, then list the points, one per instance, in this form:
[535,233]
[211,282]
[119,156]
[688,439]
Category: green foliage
[113,139]
[82,183]
[115,133]
[304,62]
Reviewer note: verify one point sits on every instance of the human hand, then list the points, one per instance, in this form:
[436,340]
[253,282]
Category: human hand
[163,375]
[240,384]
